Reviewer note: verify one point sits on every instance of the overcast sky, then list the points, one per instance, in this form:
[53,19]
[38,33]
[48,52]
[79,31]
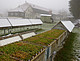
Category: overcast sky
[50,4]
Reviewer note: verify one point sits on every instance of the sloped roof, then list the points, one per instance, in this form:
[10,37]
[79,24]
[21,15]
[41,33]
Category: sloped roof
[38,7]
[45,15]
[4,23]
[35,21]
[20,22]
[20,8]
[28,35]
[68,24]
[25,6]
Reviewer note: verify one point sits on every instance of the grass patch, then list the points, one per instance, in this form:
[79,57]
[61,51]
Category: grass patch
[45,38]
[65,54]
[21,50]
[6,58]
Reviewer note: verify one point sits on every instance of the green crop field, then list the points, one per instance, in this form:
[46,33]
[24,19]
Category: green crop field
[45,38]
[20,50]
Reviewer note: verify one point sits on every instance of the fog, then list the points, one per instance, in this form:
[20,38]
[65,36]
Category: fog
[54,5]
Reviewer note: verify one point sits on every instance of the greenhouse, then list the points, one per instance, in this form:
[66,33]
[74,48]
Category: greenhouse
[8,26]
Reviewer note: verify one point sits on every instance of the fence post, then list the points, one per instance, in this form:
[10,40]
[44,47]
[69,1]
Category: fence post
[46,55]
[4,32]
